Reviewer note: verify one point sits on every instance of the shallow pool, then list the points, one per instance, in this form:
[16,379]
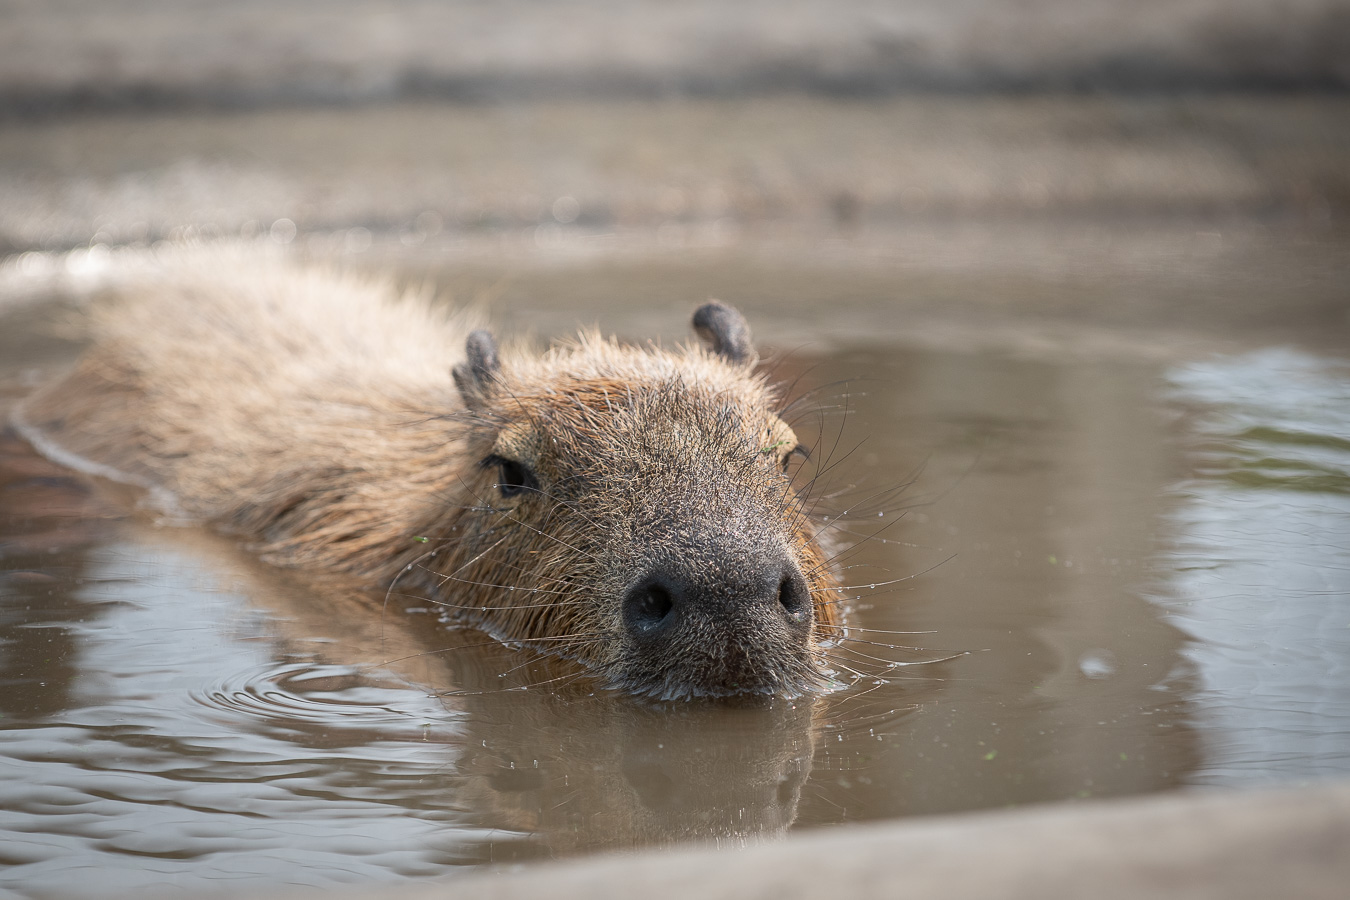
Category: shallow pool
[1075,575]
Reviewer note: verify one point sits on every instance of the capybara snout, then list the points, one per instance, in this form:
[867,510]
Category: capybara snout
[720,626]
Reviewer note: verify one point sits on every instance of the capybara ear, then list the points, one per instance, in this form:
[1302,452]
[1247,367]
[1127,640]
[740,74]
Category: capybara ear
[726,331]
[480,371]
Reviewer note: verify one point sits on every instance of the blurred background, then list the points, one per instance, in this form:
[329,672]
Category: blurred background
[1156,163]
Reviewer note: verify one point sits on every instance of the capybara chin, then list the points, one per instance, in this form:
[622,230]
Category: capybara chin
[628,507]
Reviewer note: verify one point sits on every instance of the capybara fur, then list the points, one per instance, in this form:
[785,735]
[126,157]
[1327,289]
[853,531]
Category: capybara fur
[630,507]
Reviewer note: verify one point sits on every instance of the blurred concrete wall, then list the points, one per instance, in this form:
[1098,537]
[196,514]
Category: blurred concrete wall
[57,54]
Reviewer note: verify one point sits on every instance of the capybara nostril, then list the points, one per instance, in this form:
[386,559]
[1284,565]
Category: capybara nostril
[647,607]
[794,596]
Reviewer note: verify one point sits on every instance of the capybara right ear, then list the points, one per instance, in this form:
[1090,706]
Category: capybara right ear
[726,331]
[480,371]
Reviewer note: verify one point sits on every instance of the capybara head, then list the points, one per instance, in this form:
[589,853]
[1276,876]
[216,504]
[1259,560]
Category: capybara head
[634,508]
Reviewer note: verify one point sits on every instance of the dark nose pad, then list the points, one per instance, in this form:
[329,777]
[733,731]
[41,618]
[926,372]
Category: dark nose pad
[670,598]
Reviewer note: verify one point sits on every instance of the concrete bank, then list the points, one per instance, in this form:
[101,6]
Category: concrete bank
[60,55]
[1260,844]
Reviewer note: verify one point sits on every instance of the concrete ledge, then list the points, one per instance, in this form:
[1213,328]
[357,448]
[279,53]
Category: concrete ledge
[1258,844]
[67,55]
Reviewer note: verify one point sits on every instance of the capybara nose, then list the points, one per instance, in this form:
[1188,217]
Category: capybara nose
[672,600]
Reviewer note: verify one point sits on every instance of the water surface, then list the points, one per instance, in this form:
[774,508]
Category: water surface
[1135,565]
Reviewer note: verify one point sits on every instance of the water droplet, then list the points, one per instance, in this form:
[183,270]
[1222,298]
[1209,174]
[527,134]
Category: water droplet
[1097,663]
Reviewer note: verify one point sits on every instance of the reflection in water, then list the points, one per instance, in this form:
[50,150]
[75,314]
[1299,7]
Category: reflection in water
[1261,572]
[177,715]
[260,734]
[43,513]
[565,766]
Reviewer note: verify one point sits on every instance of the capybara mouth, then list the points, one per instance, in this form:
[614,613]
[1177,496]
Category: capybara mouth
[719,681]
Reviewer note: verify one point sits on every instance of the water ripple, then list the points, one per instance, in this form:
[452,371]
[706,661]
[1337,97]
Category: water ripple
[1260,574]
[303,697]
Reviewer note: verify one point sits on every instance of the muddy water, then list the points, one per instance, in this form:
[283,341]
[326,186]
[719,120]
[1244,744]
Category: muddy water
[1076,575]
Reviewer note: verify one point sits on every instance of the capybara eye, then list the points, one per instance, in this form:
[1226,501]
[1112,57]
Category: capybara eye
[513,478]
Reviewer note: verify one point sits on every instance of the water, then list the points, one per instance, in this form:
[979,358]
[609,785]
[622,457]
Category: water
[1137,562]
[1261,582]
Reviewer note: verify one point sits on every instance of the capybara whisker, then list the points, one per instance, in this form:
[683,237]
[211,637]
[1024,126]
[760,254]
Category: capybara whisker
[849,640]
[901,580]
[836,663]
[502,587]
[519,666]
[871,658]
[840,600]
[445,604]
[560,680]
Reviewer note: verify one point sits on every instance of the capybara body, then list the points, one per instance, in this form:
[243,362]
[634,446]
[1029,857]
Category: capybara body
[628,507]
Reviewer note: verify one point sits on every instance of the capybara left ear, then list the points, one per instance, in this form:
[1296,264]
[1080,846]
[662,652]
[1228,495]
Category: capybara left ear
[480,371]
[726,331]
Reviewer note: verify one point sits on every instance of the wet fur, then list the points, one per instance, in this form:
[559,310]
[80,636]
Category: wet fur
[316,414]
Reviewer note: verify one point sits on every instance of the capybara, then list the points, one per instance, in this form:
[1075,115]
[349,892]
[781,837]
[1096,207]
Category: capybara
[629,507]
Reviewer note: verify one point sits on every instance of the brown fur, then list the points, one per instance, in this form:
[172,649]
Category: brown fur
[316,414]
